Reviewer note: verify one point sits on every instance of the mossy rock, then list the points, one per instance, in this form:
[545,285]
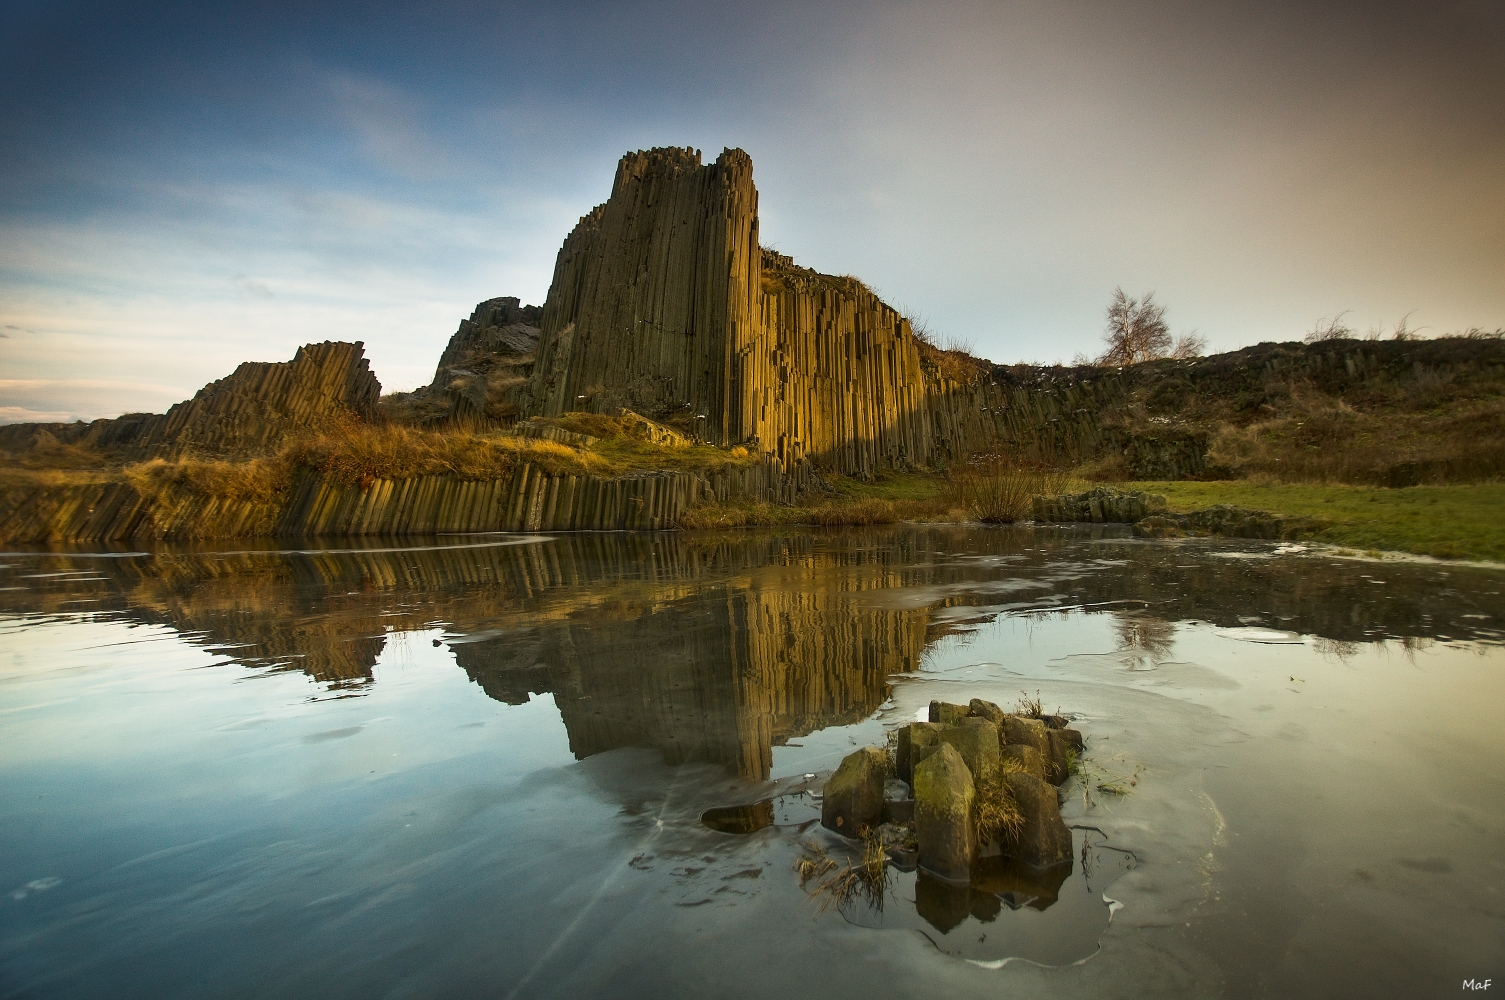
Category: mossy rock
[853,798]
[913,738]
[946,713]
[1043,839]
[1030,732]
[944,797]
[978,746]
[1025,758]
[980,709]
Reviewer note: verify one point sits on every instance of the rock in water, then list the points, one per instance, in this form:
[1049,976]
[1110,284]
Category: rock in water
[853,801]
[978,746]
[944,795]
[1025,758]
[912,739]
[1058,763]
[1043,840]
[1030,732]
[947,714]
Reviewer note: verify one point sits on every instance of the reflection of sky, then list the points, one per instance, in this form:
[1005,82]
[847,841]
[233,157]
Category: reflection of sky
[187,188]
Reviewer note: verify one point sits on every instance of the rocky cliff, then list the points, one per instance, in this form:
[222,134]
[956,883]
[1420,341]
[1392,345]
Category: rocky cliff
[250,412]
[664,302]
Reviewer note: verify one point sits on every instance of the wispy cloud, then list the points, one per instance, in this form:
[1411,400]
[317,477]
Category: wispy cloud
[390,125]
[21,415]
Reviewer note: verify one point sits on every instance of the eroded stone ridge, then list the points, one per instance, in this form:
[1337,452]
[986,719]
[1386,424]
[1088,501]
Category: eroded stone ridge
[250,412]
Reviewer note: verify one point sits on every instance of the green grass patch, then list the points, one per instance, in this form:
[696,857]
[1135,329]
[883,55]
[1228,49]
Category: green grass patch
[922,486]
[1450,522]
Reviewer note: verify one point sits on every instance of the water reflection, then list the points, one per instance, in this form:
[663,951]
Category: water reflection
[718,648]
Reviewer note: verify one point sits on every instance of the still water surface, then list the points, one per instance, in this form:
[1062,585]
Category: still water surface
[478,766]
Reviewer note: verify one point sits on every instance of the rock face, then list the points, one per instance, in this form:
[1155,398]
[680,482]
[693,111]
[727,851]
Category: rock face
[490,355]
[853,798]
[944,797]
[260,405]
[1027,759]
[1043,840]
[500,326]
[947,713]
[1028,732]
[250,412]
[978,747]
[913,739]
[663,302]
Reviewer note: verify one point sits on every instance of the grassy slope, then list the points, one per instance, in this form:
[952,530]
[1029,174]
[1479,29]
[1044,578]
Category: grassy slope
[1448,521]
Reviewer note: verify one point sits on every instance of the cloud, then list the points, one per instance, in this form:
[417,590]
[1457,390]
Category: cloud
[389,124]
[21,415]
[252,288]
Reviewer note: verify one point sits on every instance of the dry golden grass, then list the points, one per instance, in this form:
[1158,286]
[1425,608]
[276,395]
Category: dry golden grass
[998,491]
[364,453]
[996,812]
[1337,444]
[257,481]
[838,885]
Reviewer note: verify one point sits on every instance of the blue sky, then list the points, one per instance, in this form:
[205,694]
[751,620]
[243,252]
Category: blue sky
[185,188]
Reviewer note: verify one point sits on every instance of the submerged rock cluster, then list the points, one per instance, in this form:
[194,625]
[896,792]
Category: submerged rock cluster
[972,781]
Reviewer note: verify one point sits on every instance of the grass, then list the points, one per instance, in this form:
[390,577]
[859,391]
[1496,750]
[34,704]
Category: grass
[887,498]
[358,454]
[1450,522]
[256,481]
[998,491]
[996,812]
[838,885]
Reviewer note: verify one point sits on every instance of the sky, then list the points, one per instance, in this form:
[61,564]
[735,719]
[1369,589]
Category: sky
[187,186]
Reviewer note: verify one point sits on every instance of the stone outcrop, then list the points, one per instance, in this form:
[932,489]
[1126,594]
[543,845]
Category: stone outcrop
[1228,520]
[852,801]
[500,326]
[1007,758]
[944,794]
[1019,757]
[947,714]
[663,302]
[911,741]
[1043,839]
[490,355]
[250,412]
[1151,518]
[530,499]
[1097,506]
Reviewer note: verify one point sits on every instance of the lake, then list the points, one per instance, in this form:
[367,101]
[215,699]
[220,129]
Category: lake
[478,765]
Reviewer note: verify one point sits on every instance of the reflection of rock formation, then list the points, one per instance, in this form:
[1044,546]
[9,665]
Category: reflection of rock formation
[997,882]
[721,674]
[716,647]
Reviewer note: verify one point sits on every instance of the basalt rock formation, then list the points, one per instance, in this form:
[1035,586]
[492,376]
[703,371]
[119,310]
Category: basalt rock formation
[664,302]
[490,354]
[250,412]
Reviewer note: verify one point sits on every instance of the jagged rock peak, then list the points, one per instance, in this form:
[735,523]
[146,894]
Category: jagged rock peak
[252,411]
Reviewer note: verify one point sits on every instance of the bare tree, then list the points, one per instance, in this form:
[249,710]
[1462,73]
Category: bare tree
[1136,330]
[1190,345]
